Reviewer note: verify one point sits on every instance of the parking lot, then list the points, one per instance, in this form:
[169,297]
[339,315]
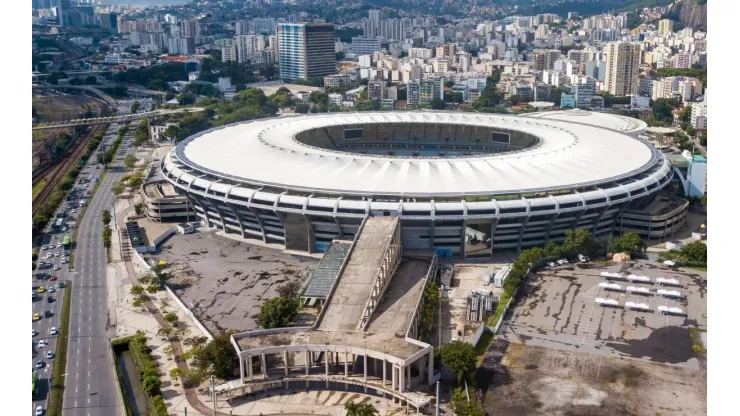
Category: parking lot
[223,281]
[560,311]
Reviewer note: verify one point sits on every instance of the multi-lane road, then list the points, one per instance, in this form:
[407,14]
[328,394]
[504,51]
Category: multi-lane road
[91,386]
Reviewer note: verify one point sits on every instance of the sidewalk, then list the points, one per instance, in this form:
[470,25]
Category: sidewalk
[126,270]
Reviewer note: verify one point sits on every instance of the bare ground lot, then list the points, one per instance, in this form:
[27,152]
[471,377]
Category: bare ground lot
[223,281]
[559,311]
[528,380]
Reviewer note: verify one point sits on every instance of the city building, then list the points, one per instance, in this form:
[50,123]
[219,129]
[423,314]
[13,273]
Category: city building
[364,45]
[622,67]
[338,80]
[306,50]
[434,196]
[544,59]
[263,25]
[249,47]
[584,92]
[665,26]
[190,28]
[181,46]
[163,204]
[376,89]
[228,54]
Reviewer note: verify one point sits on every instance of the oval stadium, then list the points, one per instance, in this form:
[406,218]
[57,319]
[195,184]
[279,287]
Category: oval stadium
[465,184]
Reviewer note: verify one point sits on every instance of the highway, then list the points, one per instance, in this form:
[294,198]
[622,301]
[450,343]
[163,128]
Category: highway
[91,386]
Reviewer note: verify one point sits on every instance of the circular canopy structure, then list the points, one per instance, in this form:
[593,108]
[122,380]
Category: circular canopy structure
[420,154]
[622,124]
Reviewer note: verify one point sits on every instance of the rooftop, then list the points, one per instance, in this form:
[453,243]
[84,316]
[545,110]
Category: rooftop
[266,153]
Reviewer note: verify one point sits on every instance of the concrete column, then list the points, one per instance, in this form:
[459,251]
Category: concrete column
[401,379]
[241,368]
[285,362]
[407,377]
[384,368]
[307,362]
[326,367]
[364,368]
[249,367]
[263,365]
[346,365]
[430,374]
[394,377]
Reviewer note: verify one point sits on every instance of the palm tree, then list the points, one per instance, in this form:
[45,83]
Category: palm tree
[360,409]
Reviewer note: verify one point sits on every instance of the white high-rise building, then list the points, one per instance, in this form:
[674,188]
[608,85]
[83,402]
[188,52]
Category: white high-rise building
[248,47]
[622,67]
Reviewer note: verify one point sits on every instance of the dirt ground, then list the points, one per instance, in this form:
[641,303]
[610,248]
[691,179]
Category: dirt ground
[223,281]
[526,380]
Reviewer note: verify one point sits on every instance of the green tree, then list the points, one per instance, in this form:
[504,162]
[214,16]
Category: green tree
[553,250]
[165,333]
[360,409]
[130,161]
[460,358]
[629,242]
[137,290]
[289,290]
[578,241]
[106,217]
[462,407]
[219,354]
[277,312]
[514,99]
[172,132]
[695,252]
[302,108]
[187,98]
[117,188]
[151,385]
[437,104]
[135,107]
[171,317]
[135,181]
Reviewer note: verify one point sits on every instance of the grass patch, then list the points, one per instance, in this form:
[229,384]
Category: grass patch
[500,307]
[37,188]
[56,402]
[482,346]
[697,268]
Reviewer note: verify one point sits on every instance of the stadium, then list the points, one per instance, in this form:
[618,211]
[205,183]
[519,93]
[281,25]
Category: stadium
[464,184]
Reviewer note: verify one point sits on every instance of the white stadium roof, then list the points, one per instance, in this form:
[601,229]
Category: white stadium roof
[264,152]
[624,124]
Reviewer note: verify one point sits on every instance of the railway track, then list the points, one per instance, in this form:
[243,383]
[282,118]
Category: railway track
[55,174]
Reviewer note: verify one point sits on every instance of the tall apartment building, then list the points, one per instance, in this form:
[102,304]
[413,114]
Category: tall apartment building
[248,47]
[376,89]
[420,53]
[681,60]
[665,26]
[189,28]
[430,89]
[412,93]
[262,25]
[365,45]
[584,92]
[445,50]
[242,27]
[544,59]
[622,67]
[306,50]
[181,46]
[229,54]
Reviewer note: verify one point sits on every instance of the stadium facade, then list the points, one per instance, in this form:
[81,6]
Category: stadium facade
[464,184]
